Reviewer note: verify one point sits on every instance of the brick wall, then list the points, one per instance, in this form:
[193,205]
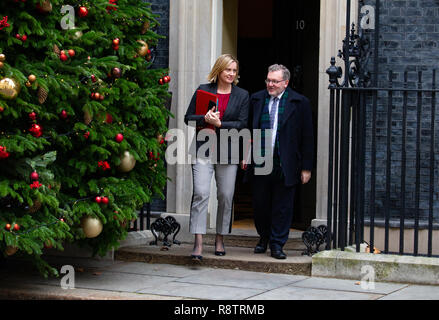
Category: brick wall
[409,41]
[161,8]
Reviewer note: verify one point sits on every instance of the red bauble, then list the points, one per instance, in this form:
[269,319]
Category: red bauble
[87,134]
[33,116]
[8,227]
[166,79]
[83,12]
[3,153]
[116,42]
[93,78]
[16,227]
[116,48]
[104,200]
[63,57]
[119,138]
[97,96]
[161,81]
[18,36]
[2,109]
[36,130]
[109,118]
[116,72]
[71,53]
[48,244]
[63,114]
[98,199]
[24,38]
[34,175]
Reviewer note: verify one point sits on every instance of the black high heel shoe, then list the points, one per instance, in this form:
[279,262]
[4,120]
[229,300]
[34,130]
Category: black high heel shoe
[220,253]
[196,257]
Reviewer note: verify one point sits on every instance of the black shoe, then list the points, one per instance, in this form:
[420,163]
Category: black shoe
[278,254]
[261,247]
[196,258]
[220,253]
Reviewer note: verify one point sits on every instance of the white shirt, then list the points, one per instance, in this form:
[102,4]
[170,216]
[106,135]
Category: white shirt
[270,104]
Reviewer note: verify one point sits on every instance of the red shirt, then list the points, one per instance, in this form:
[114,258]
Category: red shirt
[223,100]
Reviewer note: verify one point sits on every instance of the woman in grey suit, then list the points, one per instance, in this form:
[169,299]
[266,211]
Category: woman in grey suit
[231,113]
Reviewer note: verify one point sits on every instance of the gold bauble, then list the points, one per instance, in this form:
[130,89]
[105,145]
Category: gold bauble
[28,84]
[127,162]
[9,88]
[78,34]
[143,50]
[2,57]
[32,78]
[92,227]
[10,250]
[1,65]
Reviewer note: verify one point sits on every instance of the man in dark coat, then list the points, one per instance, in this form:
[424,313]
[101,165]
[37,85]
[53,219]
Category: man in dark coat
[288,114]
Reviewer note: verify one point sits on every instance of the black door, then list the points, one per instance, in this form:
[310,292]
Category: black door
[283,32]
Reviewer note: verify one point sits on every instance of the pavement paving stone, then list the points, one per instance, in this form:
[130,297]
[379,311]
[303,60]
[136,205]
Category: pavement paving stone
[242,279]
[47,292]
[119,282]
[163,270]
[415,292]
[80,262]
[349,285]
[105,279]
[297,293]
[201,291]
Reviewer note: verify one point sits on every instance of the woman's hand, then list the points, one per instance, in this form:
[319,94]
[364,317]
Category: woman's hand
[212,118]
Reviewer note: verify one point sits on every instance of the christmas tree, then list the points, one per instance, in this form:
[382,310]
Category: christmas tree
[82,119]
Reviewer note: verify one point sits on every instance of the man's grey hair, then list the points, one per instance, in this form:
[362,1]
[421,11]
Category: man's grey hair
[278,67]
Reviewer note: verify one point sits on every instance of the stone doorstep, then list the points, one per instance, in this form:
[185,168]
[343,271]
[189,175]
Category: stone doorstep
[385,267]
[236,258]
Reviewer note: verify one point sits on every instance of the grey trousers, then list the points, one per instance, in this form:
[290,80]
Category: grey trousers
[225,175]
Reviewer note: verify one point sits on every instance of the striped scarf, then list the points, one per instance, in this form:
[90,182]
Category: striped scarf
[265,124]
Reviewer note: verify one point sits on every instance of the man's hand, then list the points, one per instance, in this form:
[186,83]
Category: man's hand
[243,165]
[306,175]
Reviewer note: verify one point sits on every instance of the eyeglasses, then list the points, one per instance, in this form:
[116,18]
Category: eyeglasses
[268,81]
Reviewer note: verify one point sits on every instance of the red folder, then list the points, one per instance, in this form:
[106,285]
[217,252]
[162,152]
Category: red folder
[205,101]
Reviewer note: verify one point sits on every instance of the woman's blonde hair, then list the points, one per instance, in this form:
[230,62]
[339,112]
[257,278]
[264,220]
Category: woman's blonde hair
[220,65]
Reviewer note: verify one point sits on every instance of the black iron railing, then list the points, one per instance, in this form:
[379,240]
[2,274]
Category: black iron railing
[382,160]
[383,152]
[144,215]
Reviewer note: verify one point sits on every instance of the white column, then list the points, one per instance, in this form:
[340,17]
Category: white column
[194,44]
[332,33]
